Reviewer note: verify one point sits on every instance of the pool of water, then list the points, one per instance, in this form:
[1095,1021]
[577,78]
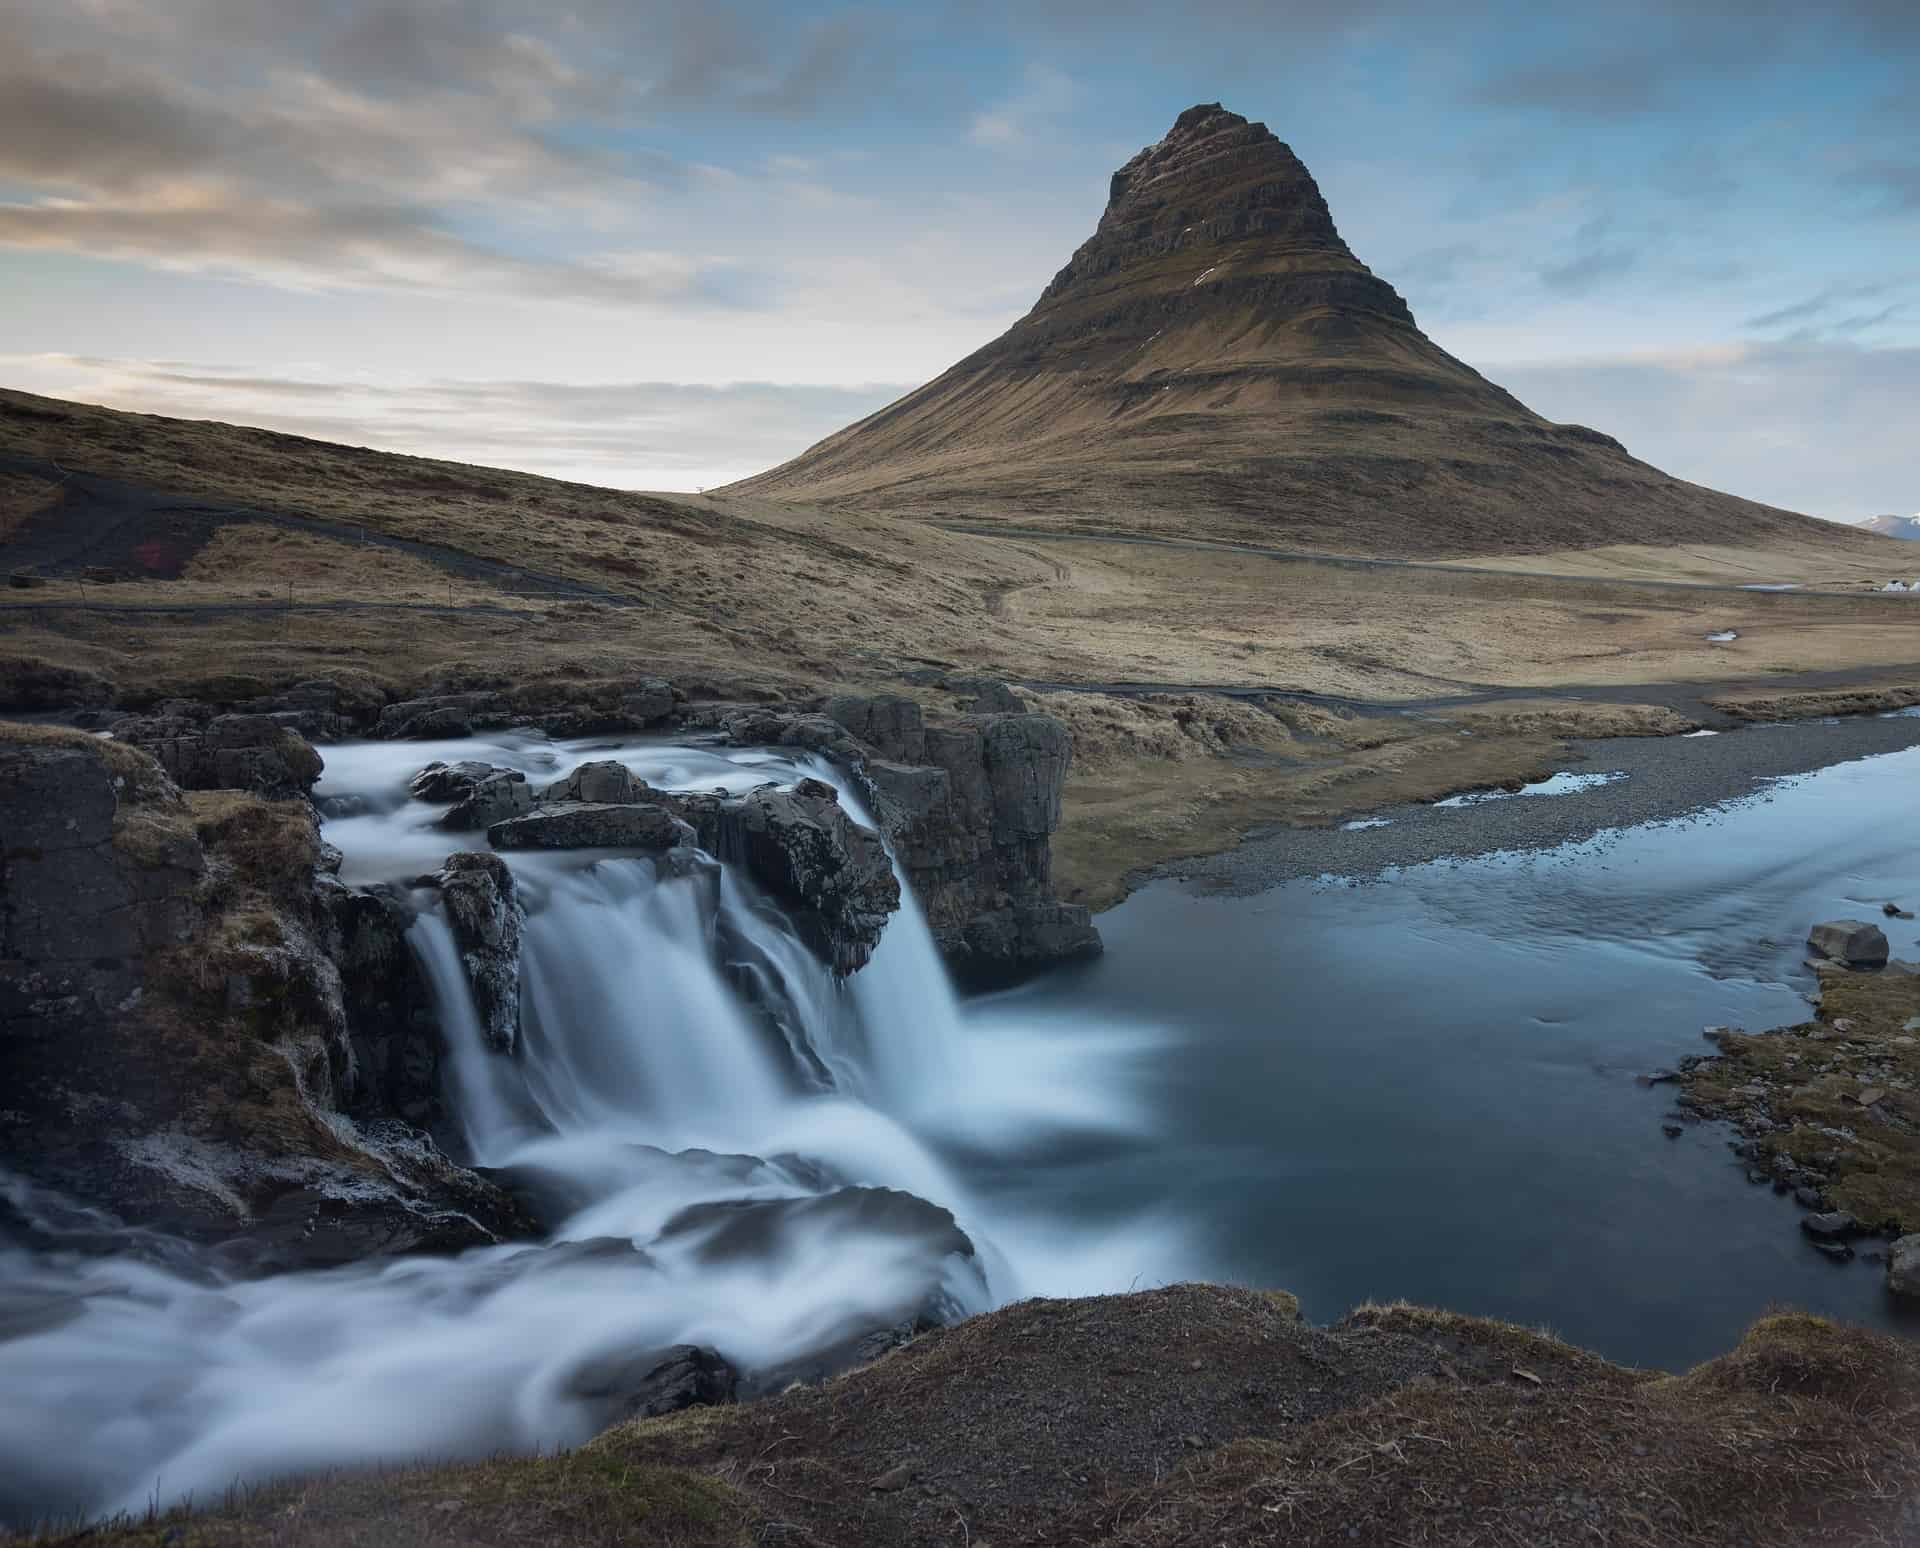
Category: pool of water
[1423,1086]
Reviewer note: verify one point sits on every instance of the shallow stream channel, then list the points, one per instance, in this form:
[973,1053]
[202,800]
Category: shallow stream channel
[1395,1062]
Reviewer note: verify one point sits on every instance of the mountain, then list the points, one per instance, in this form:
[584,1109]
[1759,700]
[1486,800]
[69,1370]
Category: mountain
[1894,526]
[1214,361]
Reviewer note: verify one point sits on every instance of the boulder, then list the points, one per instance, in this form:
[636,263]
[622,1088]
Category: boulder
[1835,1226]
[502,794]
[656,1382]
[1903,1268]
[830,874]
[1853,942]
[258,753]
[592,825]
[485,916]
[450,781]
[604,781]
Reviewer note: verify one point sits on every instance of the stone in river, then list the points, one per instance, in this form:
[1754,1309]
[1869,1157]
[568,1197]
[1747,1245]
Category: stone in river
[1852,941]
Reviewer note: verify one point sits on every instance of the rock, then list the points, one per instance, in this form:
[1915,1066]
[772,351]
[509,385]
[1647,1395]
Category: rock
[1869,1095]
[1852,941]
[987,695]
[1808,1198]
[449,781]
[500,795]
[1903,1267]
[830,874]
[601,782]
[446,715]
[230,752]
[195,1069]
[592,825]
[1840,1252]
[892,726]
[1671,1130]
[661,1381]
[1834,1227]
[1657,1077]
[895,1478]
[1895,911]
[485,916]
[396,1042]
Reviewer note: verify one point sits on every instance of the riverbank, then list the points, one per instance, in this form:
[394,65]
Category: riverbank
[1184,1416]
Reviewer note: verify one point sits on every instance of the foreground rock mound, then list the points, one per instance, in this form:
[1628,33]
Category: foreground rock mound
[1196,1416]
[1214,360]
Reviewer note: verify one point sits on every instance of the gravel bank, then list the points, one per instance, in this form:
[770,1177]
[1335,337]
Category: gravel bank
[1667,778]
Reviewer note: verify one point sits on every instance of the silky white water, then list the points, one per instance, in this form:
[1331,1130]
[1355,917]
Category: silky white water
[712,1160]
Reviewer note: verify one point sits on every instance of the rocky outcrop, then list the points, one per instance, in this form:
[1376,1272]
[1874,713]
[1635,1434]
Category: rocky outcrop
[477,893]
[443,716]
[656,1382]
[828,873]
[970,806]
[592,825]
[258,753]
[180,1046]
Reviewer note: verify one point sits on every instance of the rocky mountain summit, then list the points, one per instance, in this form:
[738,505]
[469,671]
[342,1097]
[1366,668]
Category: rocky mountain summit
[1215,361]
[1894,526]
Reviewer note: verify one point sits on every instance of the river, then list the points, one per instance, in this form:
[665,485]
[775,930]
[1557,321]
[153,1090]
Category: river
[1419,1084]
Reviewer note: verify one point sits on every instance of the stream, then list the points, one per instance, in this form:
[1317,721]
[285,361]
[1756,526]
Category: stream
[1417,1085]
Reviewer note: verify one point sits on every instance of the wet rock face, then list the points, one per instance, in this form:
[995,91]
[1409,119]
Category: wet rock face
[603,781]
[1903,1268]
[257,753]
[485,916]
[830,874]
[656,1382]
[971,807]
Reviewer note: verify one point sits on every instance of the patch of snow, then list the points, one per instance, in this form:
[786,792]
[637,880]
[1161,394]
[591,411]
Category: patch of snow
[1911,712]
[1203,276]
[1685,736]
[1721,636]
[1558,784]
[1901,586]
[1360,824]
[1772,586]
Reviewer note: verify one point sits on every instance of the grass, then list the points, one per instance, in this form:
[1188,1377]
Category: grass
[581,1499]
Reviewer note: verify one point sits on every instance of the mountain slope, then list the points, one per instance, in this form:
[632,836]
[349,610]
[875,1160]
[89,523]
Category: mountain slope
[1216,362]
[1907,527]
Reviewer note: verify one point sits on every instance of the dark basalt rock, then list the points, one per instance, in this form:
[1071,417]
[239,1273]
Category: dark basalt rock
[259,753]
[592,825]
[178,1041]
[656,1382]
[476,889]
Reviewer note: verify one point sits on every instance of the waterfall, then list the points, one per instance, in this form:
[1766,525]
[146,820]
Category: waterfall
[732,1148]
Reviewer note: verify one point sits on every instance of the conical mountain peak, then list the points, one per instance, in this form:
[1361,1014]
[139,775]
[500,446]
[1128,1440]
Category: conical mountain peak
[1215,361]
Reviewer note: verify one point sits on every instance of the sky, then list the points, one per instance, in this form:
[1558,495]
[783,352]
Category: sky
[667,245]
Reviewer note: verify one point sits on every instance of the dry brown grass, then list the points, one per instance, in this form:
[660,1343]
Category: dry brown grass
[1193,1417]
[577,1500]
[22,497]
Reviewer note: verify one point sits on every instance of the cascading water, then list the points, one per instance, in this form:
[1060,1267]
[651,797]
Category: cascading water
[767,1173]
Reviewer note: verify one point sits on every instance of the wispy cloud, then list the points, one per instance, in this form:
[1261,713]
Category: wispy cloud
[1012,123]
[631,434]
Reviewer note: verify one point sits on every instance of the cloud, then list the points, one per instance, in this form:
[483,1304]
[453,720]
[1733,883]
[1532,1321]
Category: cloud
[635,434]
[1810,426]
[1010,124]
[1808,313]
[1589,270]
[375,143]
